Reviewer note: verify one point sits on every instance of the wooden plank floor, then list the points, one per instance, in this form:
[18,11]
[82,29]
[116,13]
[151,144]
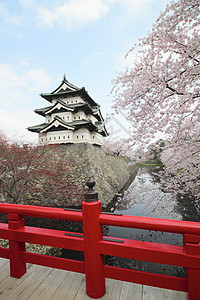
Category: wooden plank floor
[43,283]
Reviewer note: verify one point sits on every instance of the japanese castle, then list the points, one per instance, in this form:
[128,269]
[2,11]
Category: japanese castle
[72,117]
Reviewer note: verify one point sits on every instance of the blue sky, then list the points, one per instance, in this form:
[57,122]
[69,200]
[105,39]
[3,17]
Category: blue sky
[40,40]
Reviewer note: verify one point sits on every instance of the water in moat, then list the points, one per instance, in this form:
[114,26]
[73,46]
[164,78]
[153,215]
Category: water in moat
[144,197]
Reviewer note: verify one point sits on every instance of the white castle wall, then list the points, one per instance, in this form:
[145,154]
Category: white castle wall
[82,135]
[73,100]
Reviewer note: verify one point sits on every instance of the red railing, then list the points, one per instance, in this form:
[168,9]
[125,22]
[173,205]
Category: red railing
[95,246]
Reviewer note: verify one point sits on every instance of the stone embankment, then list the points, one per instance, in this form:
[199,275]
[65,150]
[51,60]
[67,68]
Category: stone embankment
[79,162]
[84,161]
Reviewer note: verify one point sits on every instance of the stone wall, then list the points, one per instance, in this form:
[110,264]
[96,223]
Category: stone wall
[84,161]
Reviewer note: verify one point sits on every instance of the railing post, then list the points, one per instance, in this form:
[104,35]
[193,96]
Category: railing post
[192,247]
[92,232]
[17,267]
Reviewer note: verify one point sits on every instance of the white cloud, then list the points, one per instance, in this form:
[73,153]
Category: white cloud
[13,96]
[27,3]
[18,98]
[37,79]
[8,77]
[14,124]
[81,12]
[15,87]
[73,12]
[87,61]
[8,17]
[25,63]
[134,7]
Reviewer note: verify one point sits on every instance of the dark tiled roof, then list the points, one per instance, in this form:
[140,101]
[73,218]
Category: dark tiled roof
[37,128]
[76,106]
[41,111]
[68,83]
[74,125]
[80,92]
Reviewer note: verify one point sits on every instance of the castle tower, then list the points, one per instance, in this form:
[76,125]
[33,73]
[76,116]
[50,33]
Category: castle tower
[72,117]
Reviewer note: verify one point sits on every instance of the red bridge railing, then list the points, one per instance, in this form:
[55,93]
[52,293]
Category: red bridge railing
[95,246]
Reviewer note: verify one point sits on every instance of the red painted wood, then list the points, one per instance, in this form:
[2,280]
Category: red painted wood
[193,251]
[94,263]
[94,247]
[189,238]
[164,225]
[17,266]
[16,225]
[54,262]
[192,247]
[193,276]
[41,212]
[42,236]
[161,281]
[4,252]
[15,217]
[148,251]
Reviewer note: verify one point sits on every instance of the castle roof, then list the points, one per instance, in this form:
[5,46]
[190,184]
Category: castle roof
[37,128]
[69,86]
[57,113]
[62,106]
[60,124]
[66,90]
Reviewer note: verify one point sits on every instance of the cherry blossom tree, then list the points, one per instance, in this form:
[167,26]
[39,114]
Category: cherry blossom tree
[160,93]
[154,152]
[115,147]
[18,165]
[30,172]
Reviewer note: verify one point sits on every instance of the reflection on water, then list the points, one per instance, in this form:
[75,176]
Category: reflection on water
[144,197]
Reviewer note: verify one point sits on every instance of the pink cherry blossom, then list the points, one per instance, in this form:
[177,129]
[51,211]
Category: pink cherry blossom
[160,93]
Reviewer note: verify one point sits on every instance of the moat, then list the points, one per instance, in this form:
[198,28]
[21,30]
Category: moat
[136,201]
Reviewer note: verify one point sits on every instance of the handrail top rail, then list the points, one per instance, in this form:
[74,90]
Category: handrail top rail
[166,225]
[41,212]
[157,224]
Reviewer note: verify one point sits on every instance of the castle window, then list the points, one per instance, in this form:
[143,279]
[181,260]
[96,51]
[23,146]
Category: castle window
[79,117]
[42,140]
[50,138]
[82,136]
[67,117]
[63,118]
[54,137]
[68,136]
[77,136]
[93,136]
[76,101]
[59,137]
[71,101]
[63,137]
[74,118]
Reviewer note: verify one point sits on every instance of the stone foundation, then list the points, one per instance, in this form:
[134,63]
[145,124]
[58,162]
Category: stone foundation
[82,162]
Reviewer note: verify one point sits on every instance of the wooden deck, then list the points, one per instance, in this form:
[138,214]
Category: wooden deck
[43,283]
